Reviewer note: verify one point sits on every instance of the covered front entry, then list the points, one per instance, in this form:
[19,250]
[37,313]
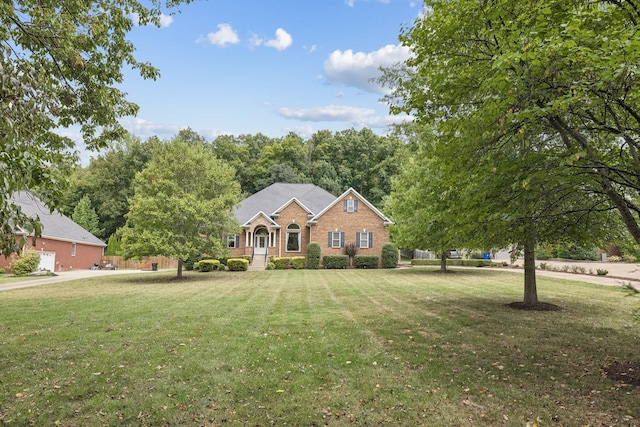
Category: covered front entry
[261,242]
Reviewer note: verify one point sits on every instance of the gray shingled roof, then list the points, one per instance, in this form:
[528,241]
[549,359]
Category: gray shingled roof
[54,224]
[272,198]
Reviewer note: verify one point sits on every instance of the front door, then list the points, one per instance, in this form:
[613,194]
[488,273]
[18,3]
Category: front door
[262,242]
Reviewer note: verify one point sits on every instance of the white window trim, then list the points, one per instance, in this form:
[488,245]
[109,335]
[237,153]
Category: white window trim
[231,241]
[364,240]
[73,249]
[334,239]
[286,246]
[351,205]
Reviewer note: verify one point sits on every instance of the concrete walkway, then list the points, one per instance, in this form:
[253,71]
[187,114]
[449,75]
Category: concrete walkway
[65,276]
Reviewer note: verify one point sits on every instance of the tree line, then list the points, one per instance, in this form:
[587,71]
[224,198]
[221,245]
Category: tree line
[99,193]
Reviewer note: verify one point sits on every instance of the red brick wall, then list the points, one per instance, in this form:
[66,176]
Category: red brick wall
[86,255]
[365,220]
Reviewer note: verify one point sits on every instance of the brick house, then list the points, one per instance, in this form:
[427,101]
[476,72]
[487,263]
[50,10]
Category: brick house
[64,245]
[282,219]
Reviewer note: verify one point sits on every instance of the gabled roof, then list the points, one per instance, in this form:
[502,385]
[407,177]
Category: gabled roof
[293,200]
[54,225]
[386,220]
[276,196]
[265,216]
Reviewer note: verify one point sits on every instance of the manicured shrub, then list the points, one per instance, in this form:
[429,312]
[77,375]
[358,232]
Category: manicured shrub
[457,262]
[189,264]
[271,266]
[389,256]
[238,264]
[335,261]
[365,261]
[207,265]
[313,256]
[297,262]
[196,266]
[281,263]
[26,264]
[1,270]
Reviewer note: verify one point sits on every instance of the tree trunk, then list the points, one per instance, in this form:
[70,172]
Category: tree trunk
[443,262]
[179,276]
[530,288]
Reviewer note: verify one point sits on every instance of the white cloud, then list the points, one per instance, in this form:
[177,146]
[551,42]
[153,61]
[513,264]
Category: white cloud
[165,20]
[326,113]
[282,40]
[358,69]
[145,129]
[224,36]
[356,117]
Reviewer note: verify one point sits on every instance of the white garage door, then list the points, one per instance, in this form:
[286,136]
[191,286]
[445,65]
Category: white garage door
[47,261]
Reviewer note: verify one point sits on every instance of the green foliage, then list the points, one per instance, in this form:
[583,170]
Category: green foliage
[181,208]
[61,66]
[26,264]
[195,266]
[335,261]
[237,264]
[207,265]
[350,250]
[114,246]
[1,270]
[271,266]
[191,261]
[313,256]
[602,272]
[85,216]
[390,256]
[281,263]
[457,262]
[365,261]
[297,262]
[576,252]
[535,94]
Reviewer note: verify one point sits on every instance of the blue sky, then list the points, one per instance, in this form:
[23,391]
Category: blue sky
[271,67]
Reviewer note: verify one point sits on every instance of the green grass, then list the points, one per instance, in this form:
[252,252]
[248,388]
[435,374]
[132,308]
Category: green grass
[302,347]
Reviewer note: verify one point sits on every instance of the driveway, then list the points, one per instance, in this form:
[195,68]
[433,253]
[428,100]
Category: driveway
[65,276]
[619,273]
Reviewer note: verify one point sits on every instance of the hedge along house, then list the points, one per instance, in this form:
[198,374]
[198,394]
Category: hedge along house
[282,219]
[64,245]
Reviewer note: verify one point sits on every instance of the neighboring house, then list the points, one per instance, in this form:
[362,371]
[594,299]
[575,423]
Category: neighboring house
[64,245]
[282,219]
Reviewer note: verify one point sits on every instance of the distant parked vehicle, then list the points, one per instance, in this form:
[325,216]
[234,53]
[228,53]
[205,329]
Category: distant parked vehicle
[454,254]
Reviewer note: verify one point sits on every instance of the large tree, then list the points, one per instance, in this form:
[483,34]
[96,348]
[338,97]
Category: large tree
[181,205]
[60,64]
[564,70]
[108,181]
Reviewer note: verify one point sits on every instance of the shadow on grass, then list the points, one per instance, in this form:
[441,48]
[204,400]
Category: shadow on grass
[162,279]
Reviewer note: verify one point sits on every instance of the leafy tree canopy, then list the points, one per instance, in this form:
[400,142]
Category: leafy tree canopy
[181,205]
[561,72]
[60,64]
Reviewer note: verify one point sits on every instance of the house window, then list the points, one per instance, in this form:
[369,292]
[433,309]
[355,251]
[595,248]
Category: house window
[73,249]
[233,241]
[336,239]
[364,240]
[293,238]
[350,205]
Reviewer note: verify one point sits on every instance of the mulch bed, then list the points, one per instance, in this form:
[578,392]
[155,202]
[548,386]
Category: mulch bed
[626,372]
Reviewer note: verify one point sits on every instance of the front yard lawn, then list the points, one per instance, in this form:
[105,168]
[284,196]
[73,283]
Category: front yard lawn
[315,347]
